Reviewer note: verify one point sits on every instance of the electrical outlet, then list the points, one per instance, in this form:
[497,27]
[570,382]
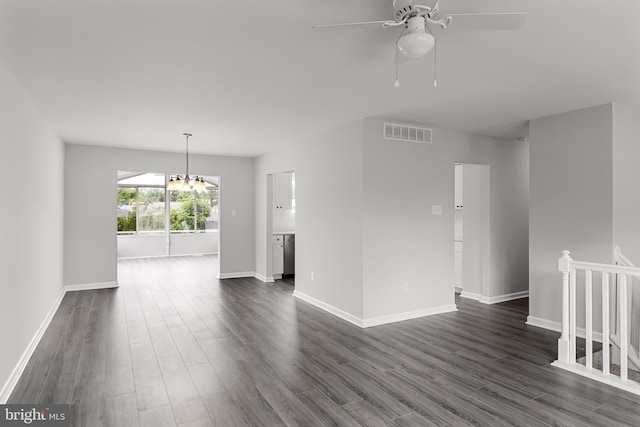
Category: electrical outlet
[234,212]
[405,287]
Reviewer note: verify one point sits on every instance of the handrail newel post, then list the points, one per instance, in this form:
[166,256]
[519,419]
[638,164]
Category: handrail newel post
[621,273]
[564,342]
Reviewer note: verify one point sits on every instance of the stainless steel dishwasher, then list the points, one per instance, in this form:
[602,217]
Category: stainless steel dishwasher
[289,254]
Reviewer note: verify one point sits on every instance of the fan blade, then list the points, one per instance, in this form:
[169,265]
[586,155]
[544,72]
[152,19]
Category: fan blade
[487,21]
[351,25]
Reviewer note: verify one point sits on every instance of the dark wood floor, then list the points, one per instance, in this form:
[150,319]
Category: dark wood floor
[175,346]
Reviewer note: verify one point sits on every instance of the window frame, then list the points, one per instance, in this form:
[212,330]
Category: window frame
[137,211]
[167,214]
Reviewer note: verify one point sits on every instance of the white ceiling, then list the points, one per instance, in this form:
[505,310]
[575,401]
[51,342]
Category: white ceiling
[247,77]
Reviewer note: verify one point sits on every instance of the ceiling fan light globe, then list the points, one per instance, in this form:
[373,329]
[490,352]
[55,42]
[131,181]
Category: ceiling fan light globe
[415,45]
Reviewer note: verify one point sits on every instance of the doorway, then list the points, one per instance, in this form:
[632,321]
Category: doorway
[472,231]
[154,221]
[281,226]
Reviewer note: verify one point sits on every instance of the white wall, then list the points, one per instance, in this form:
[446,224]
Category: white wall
[195,244]
[156,245]
[626,181]
[570,201]
[31,155]
[509,242]
[476,221]
[90,254]
[141,246]
[328,215]
[364,223]
[404,242]
[626,197]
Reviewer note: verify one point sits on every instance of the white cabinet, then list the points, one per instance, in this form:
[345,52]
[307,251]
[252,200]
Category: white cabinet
[282,191]
[277,264]
[458,187]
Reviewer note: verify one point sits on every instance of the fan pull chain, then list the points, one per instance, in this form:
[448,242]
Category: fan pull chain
[435,54]
[397,82]
[435,64]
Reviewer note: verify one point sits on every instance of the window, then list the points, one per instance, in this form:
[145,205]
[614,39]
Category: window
[150,210]
[127,210]
[141,208]
[194,212]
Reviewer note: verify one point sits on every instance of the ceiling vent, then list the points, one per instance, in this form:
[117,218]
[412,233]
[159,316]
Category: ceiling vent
[407,133]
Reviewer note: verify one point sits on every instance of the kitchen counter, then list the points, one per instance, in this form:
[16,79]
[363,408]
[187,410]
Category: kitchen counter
[284,232]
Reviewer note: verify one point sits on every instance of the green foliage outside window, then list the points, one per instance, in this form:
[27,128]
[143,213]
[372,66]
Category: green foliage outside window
[126,196]
[151,210]
[127,224]
[182,217]
[147,203]
[126,210]
[142,210]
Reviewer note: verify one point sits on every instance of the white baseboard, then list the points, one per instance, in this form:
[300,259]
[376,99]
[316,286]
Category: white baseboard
[9,385]
[167,256]
[91,286]
[557,327]
[373,321]
[496,299]
[329,308]
[597,375]
[264,279]
[399,317]
[504,298]
[470,295]
[238,275]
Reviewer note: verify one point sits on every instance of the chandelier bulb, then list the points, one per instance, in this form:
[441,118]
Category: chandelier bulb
[435,83]
[396,83]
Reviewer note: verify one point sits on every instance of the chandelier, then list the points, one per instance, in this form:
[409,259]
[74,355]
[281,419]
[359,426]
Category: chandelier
[186,182]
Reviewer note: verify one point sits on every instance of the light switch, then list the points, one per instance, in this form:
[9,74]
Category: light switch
[233,212]
[436,209]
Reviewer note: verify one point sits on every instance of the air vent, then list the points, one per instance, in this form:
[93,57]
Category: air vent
[407,133]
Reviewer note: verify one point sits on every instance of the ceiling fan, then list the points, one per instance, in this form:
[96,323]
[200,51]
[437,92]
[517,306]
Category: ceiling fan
[416,39]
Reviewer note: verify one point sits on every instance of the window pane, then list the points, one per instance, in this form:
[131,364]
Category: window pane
[151,210]
[211,222]
[181,211]
[207,209]
[126,210]
[185,217]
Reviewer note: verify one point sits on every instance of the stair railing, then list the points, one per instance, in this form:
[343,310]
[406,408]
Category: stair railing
[634,355]
[567,357]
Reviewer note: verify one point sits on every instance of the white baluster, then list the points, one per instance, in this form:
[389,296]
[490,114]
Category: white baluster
[615,317]
[624,328]
[605,323]
[588,317]
[572,315]
[630,310]
[564,345]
